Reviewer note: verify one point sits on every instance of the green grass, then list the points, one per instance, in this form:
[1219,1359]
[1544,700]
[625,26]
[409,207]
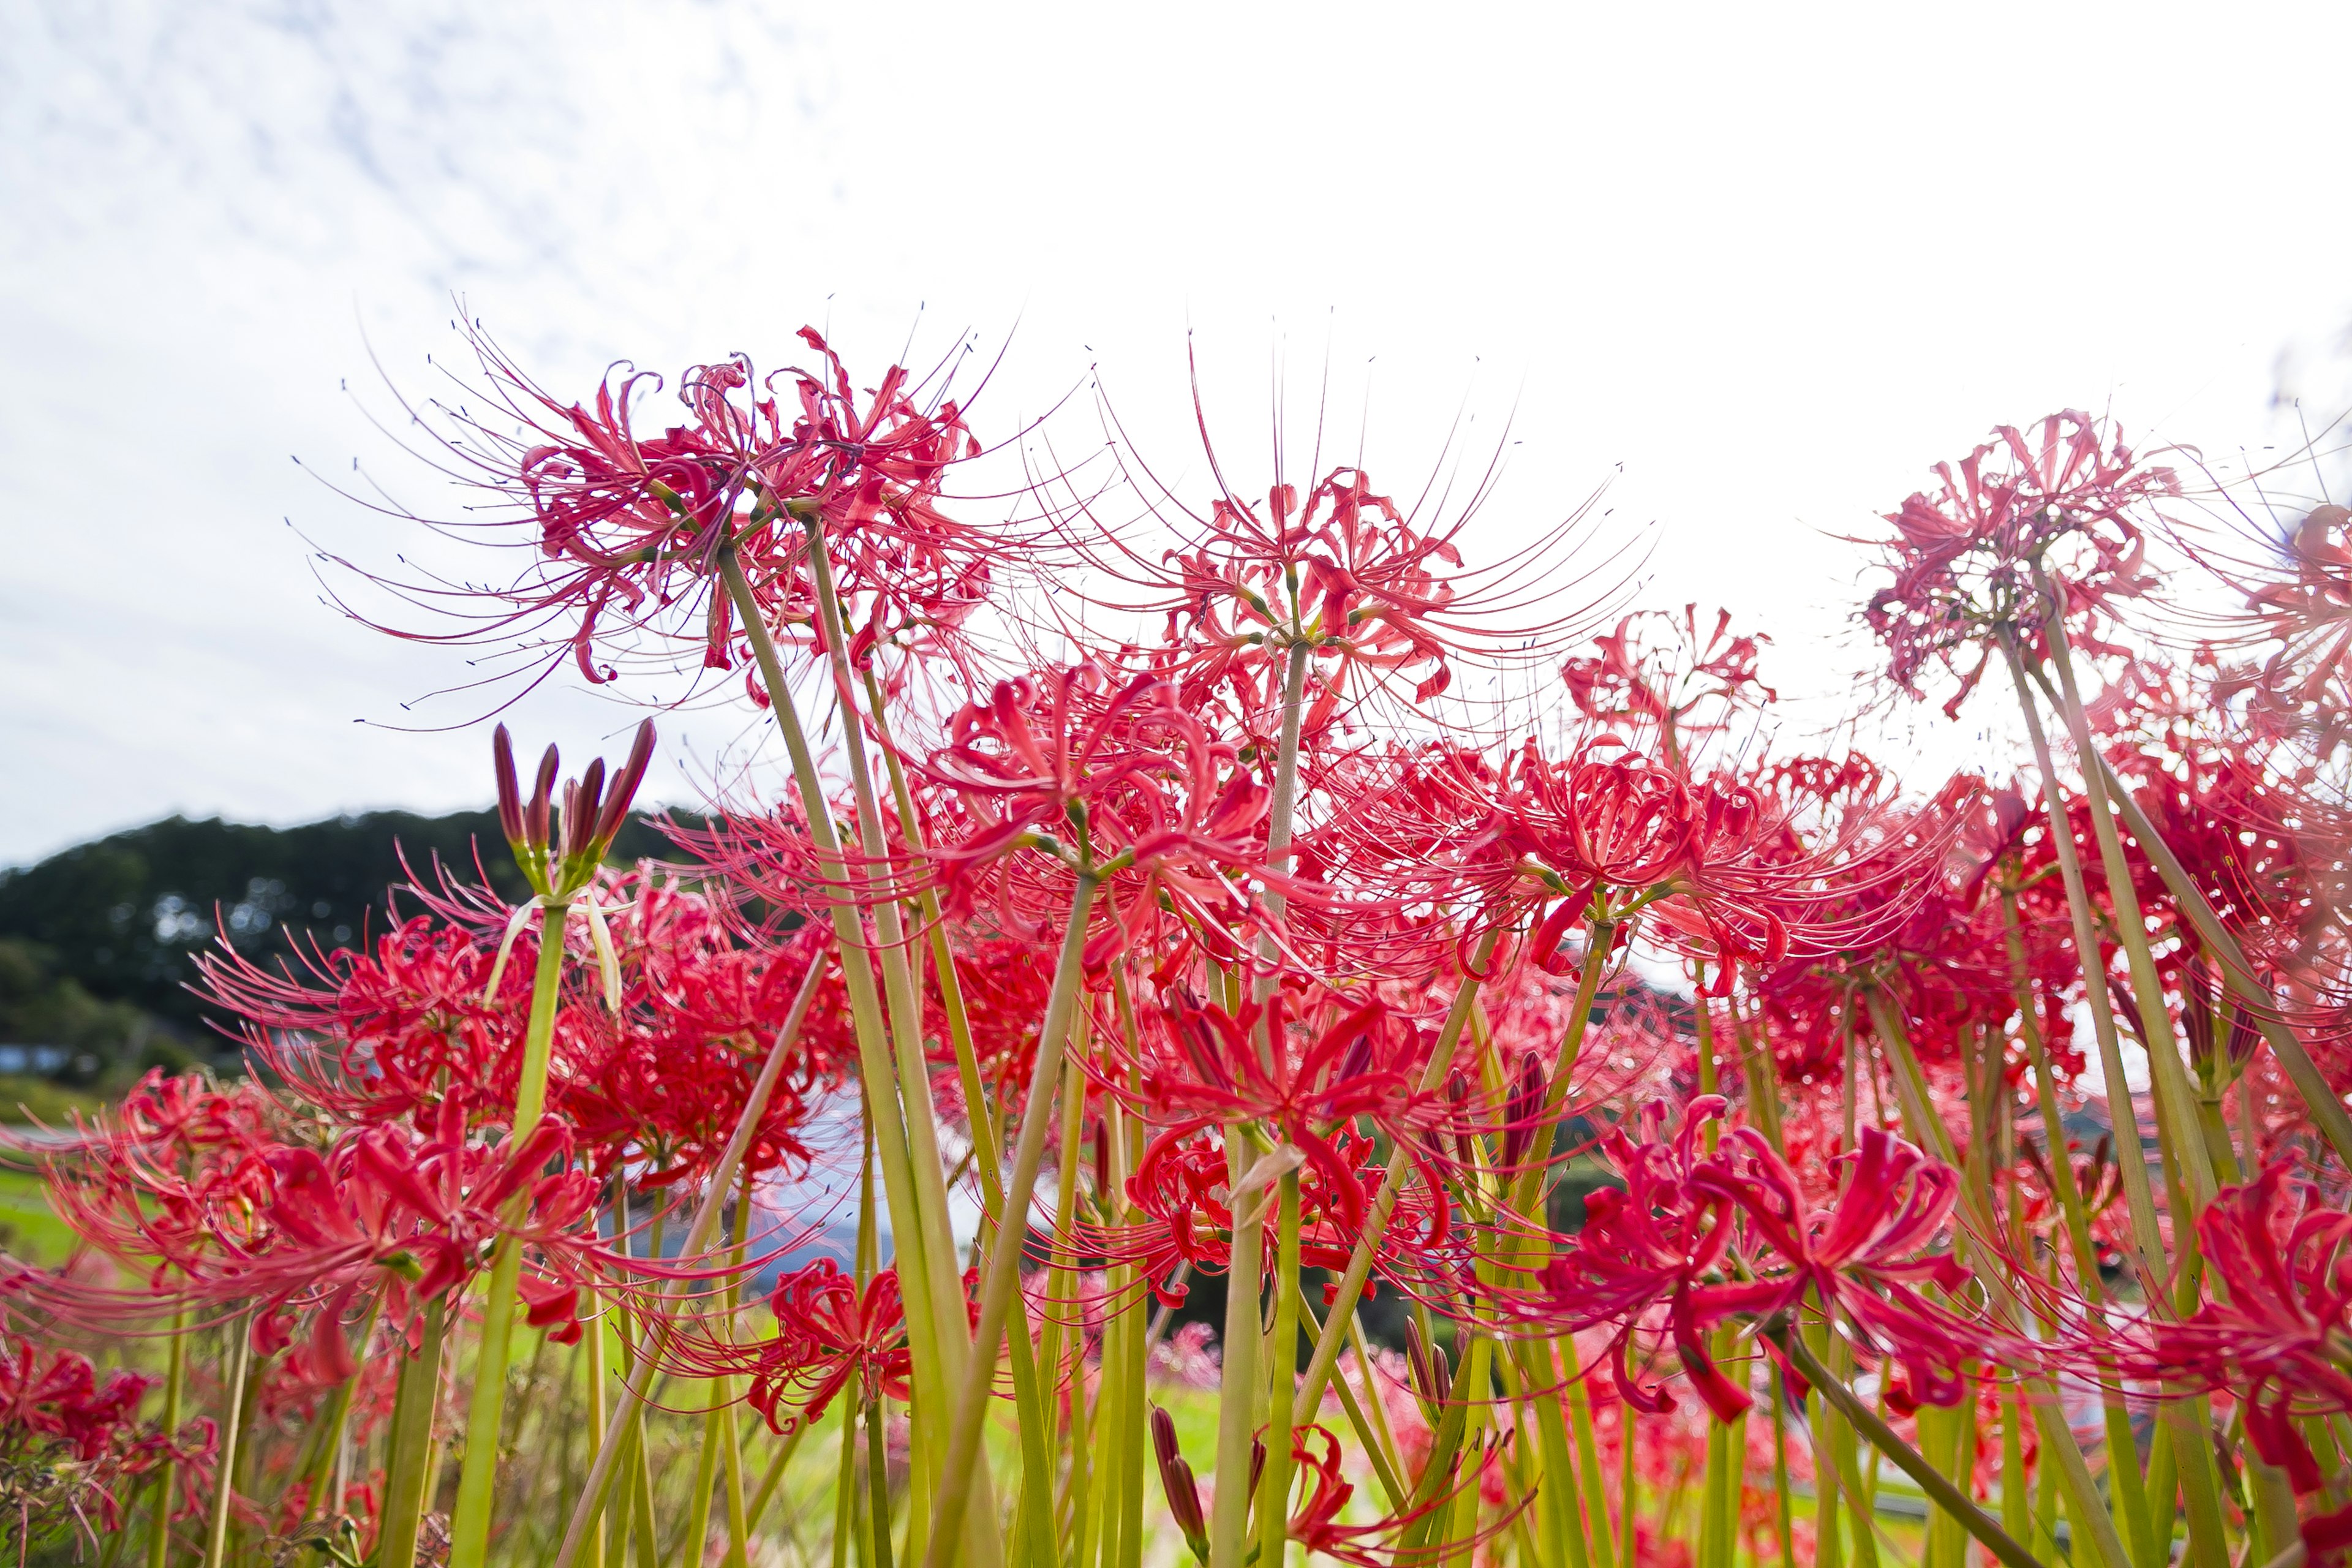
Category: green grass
[29,1228]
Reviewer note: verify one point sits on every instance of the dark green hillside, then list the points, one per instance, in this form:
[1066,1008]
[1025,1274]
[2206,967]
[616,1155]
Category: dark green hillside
[99,937]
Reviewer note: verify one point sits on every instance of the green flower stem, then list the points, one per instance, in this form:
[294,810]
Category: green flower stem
[1628,1485]
[2327,1110]
[1238,1379]
[326,1438]
[232,1440]
[1882,1437]
[1597,1526]
[844,1491]
[2138,1198]
[469,1524]
[2177,1128]
[756,1510]
[1375,1406]
[2016,1500]
[1281,1373]
[1360,1261]
[1127,1150]
[731,1452]
[963,1476]
[587,1512]
[1783,1516]
[641,1488]
[946,1319]
[695,1538]
[1379,1448]
[878,1482]
[2084,1505]
[2179,1099]
[1028,1398]
[2128,1485]
[1527,1185]
[409,1467]
[876,1068]
[176,1381]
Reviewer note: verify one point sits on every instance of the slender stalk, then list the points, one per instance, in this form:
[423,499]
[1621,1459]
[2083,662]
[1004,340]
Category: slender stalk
[2126,1489]
[1588,1460]
[2179,1098]
[1882,1437]
[1783,1518]
[906,1018]
[2130,1161]
[175,1379]
[877,1067]
[1002,1281]
[2177,1123]
[1628,1484]
[878,1482]
[694,1542]
[2084,1507]
[1282,1373]
[1238,1380]
[469,1523]
[585,1511]
[845,1495]
[232,1440]
[730,1453]
[409,1467]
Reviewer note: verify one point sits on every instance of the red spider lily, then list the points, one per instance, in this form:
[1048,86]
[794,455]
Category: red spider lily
[294,1232]
[1349,1059]
[627,530]
[175,1184]
[1705,1237]
[381,1210]
[1658,671]
[1316,1524]
[1865,1255]
[1184,1214]
[69,1443]
[1652,1243]
[2069,500]
[1120,783]
[2278,1332]
[1446,827]
[1375,594]
[664,1078]
[2297,621]
[384,1035]
[829,1331]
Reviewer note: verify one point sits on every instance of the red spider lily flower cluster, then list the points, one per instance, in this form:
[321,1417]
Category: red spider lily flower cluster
[1623,1050]
[2062,509]
[72,1444]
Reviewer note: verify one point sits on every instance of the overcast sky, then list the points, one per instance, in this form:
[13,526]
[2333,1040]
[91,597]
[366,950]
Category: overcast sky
[1755,266]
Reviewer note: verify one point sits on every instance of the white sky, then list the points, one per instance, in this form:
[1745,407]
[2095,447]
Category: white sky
[1771,261]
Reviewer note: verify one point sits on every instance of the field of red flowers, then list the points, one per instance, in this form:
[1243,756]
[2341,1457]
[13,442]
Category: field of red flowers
[830,1192]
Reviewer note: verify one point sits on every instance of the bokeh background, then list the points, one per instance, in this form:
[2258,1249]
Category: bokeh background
[1752,269]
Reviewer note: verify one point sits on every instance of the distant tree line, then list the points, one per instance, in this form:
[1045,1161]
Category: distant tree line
[96,941]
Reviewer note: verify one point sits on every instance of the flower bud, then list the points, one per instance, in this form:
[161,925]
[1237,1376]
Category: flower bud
[1176,1480]
[582,809]
[1432,1376]
[534,816]
[510,792]
[1521,1111]
[623,793]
